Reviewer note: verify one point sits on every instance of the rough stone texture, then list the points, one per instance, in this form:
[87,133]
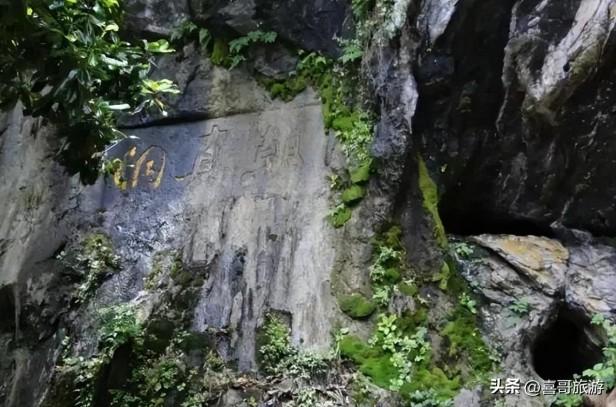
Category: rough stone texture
[207,91]
[551,277]
[267,241]
[513,115]
[515,112]
[261,242]
[243,196]
[157,18]
[315,25]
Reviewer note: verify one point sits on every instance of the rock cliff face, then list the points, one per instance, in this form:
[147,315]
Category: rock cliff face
[495,114]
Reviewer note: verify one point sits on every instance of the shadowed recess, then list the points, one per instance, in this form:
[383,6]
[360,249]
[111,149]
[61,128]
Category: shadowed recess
[568,346]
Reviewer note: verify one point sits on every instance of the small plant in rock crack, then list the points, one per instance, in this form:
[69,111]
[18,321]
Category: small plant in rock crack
[428,398]
[468,303]
[382,295]
[606,370]
[520,307]
[279,357]
[339,215]
[405,350]
[569,400]
[188,31]
[238,46]
[352,51]
[118,326]
[339,335]
[94,259]
[463,249]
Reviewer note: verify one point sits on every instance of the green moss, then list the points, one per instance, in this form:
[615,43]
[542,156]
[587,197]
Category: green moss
[372,362]
[150,281]
[409,289]
[430,202]
[361,173]
[345,122]
[286,89]
[445,388]
[353,194]
[443,276]
[356,306]
[392,237]
[340,215]
[410,321]
[342,112]
[93,259]
[178,274]
[220,52]
[465,344]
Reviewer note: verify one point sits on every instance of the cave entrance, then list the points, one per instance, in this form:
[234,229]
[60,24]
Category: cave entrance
[473,219]
[567,346]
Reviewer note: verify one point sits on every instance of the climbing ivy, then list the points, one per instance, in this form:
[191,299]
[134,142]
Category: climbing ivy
[65,60]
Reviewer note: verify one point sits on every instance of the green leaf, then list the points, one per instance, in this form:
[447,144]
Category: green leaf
[158,47]
[204,37]
[112,27]
[113,61]
[123,106]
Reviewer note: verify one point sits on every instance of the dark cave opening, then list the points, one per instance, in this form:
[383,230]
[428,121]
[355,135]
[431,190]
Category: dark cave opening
[566,347]
[470,221]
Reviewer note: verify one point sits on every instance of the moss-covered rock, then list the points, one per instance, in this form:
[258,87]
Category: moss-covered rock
[353,194]
[340,215]
[356,306]
[371,361]
[361,173]
[430,197]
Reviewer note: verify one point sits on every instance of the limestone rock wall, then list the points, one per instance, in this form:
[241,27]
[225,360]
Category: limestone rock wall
[512,114]
[242,197]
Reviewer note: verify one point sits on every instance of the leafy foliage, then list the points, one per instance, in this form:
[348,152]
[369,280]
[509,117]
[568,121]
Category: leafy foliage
[188,31]
[387,264]
[405,350]
[119,326]
[231,53]
[520,307]
[399,356]
[606,370]
[239,45]
[352,51]
[93,260]
[339,215]
[467,302]
[428,398]
[64,60]
[279,357]
[569,400]
[463,249]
